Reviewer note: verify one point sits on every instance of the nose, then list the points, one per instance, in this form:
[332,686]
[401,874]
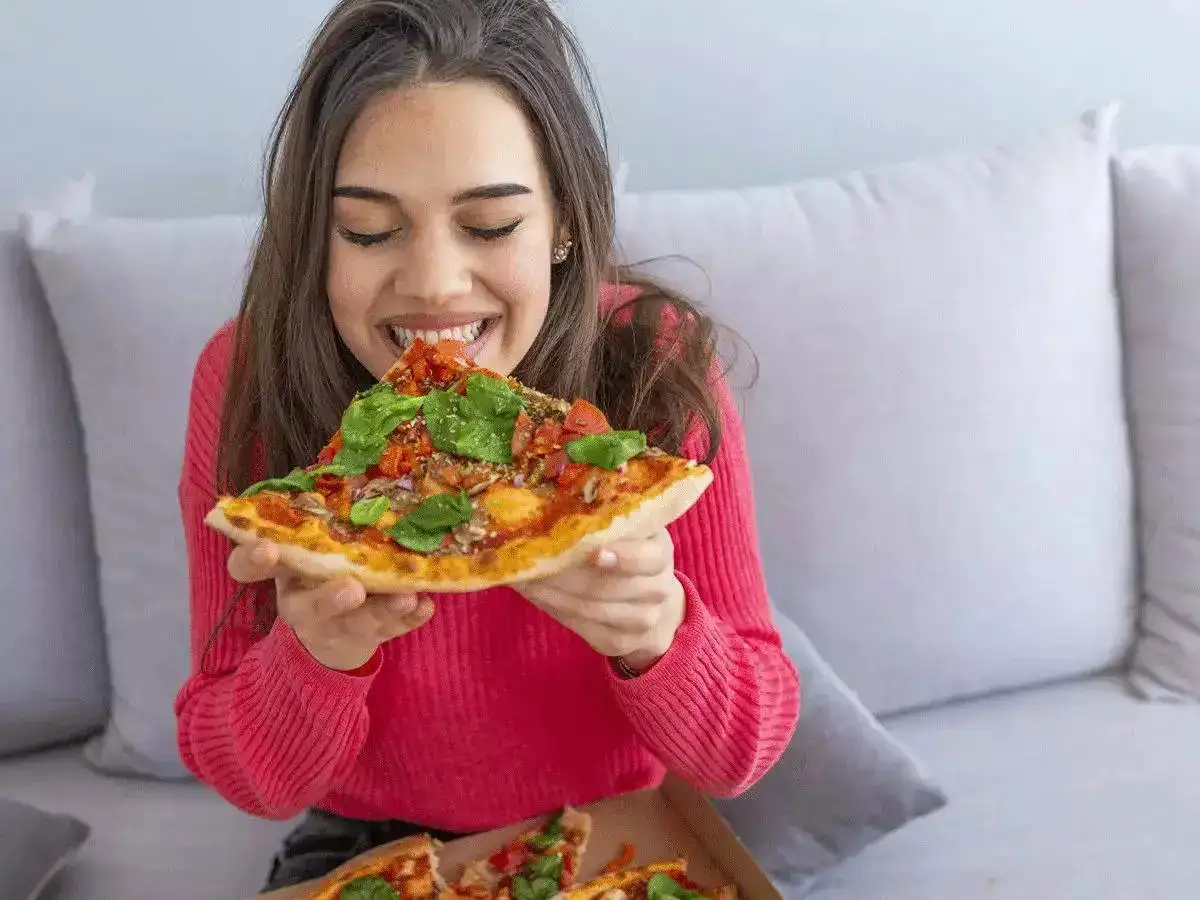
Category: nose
[435,269]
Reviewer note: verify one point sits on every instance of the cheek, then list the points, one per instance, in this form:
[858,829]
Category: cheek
[352,288]
[521,280]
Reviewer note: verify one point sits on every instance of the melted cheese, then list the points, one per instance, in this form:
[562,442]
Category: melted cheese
[512,506]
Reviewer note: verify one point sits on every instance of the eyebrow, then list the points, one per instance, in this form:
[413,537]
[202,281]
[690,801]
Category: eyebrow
[481,192]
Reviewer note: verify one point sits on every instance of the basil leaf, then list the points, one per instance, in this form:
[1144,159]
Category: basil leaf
[370,887]
[356,460]
[374,415]
[664,887]
[423,529]
[534,889]
[342,466]
[489,440]
[550,835]
[408,535]
[367,512]
[297,481]
[493,397]
[608,450]
[545,867]
[457,425]
[441,512]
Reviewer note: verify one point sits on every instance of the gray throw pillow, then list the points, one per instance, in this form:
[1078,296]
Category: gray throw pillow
[53,674]
[34,845]
[1158,233]
[843,783]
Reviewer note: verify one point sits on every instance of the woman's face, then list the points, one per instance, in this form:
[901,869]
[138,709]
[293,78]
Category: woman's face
[443,227]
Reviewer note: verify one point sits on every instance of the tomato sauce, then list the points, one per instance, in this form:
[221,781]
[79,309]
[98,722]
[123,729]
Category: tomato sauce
[277,510]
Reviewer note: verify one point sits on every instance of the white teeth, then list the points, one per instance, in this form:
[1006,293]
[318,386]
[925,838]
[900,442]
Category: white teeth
[465,333]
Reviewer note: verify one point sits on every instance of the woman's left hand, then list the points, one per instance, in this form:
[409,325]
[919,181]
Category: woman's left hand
[625,602]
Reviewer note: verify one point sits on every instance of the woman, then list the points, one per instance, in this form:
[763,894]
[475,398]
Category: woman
[435,172]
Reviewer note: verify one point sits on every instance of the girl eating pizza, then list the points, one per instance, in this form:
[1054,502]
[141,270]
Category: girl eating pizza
[438,173]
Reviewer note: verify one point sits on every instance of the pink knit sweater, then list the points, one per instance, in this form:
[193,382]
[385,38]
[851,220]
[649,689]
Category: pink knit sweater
[491,712]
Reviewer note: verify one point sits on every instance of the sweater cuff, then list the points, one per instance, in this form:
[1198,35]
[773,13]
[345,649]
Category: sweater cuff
[287,658]
[694,659]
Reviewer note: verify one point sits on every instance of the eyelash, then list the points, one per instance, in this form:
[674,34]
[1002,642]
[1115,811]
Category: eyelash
[483,234]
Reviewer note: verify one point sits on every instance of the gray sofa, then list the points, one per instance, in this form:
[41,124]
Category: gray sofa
[960,409]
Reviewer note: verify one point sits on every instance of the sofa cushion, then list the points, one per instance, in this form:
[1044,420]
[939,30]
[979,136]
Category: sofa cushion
[149,838]
[1073,792]
[938,436]
[1158,238]
[35,846]
[135,302]
[53,676]
[842,783]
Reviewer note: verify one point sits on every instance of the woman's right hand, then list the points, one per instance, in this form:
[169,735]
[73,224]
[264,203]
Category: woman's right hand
[339,624]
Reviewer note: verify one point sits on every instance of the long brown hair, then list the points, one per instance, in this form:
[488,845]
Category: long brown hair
[292,376]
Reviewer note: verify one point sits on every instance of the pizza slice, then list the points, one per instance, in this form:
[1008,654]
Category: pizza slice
[538,865]
[666,880]
[445,476]
[406,871]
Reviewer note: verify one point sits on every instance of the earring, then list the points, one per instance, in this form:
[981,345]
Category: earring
[562,251]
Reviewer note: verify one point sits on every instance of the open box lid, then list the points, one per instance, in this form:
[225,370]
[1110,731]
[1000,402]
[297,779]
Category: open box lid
[663,823]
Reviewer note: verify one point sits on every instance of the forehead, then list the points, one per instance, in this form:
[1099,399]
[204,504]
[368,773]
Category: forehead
[429,142]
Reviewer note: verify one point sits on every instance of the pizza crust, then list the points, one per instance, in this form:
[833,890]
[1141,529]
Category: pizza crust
[653,512]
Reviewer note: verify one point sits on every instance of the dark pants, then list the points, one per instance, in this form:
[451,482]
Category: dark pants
[323,841]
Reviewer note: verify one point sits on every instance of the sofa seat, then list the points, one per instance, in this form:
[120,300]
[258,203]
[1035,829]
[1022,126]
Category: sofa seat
[149,839]
[1070,792]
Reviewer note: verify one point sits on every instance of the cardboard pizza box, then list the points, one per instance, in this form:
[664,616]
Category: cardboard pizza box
[668,822]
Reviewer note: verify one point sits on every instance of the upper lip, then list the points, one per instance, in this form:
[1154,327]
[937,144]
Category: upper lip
[435,321]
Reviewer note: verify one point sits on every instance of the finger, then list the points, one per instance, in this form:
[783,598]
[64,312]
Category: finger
[634,557]
[397,604]
[629,617]
[384,618]
[330,599]
[583,588]
[607,640]
[422,614]
[249,563]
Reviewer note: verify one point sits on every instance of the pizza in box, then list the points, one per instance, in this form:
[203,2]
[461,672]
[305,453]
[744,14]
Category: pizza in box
[539,865]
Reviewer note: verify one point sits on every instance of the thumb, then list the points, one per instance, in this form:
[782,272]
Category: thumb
[249,563]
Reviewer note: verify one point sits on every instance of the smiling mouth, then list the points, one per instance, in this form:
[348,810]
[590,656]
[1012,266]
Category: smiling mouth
[470,333]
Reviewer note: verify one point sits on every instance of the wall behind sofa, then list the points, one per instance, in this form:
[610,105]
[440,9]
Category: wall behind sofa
[169,103]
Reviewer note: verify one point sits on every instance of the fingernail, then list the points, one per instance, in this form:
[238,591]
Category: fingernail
[606,559]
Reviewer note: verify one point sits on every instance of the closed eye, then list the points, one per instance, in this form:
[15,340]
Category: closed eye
[366,240]
[495,234]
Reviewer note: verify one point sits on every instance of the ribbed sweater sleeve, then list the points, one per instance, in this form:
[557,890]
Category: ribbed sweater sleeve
[721,706]
[259,720]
